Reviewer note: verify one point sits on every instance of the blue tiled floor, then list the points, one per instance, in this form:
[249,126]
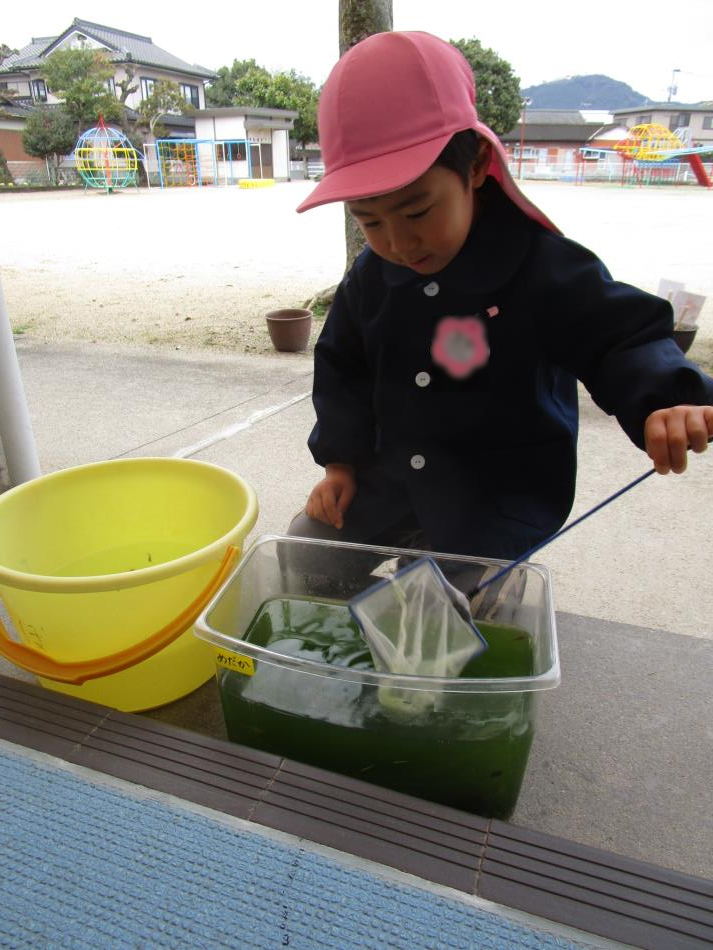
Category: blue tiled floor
[85,865]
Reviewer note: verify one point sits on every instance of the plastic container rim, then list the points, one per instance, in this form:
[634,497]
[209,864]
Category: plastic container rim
[515,684]
[48,583]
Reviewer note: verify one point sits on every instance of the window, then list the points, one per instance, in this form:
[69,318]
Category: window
[190,94]
[39,90]
[146,87]
[110,85]
[708,121]
[528,153]
[679,120]
[592,155]
[643,120]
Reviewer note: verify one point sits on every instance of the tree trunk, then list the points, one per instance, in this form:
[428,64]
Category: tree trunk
[361,18]
[357,20]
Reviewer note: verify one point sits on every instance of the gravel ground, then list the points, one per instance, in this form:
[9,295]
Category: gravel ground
[198,268]
[182,268]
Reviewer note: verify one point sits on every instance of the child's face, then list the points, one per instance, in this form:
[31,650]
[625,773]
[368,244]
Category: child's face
[424,225]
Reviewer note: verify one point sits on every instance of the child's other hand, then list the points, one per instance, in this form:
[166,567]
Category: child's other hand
[331,497]
[670,433]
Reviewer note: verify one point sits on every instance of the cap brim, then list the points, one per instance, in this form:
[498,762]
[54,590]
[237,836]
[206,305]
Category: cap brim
[386,173]
[376,176]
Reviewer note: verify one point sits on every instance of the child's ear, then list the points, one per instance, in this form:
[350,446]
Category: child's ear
[479,171]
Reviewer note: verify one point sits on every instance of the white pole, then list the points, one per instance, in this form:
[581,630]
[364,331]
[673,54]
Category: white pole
[16,436]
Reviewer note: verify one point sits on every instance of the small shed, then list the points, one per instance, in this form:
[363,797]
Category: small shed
[246,142]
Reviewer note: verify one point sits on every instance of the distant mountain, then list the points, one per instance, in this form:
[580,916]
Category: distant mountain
[584,92]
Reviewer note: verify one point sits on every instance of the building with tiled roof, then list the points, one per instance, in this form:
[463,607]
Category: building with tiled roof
[572,144]
[132,53]
[22,87]
[548,138]
[13,115]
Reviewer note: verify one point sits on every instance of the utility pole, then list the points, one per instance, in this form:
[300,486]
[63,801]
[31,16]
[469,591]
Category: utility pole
[673,88]
[525,103]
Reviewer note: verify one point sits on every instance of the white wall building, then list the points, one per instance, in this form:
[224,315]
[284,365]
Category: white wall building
[247,142]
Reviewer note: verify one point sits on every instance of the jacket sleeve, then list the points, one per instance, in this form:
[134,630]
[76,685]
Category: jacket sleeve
[342,392]
[616,339]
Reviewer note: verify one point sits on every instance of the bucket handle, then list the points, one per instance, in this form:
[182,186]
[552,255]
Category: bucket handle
[39,663]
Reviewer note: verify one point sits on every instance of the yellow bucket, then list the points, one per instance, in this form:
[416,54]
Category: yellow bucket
[104,568]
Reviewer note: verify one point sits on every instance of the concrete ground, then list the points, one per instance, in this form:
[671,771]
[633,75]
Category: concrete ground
[623,757]
[643,560]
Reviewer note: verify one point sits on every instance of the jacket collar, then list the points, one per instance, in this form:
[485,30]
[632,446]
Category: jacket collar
[492,253]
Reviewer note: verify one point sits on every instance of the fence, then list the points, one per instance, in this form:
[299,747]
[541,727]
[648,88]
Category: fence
[42,173]
[612,171]
[29,172]
[580,172]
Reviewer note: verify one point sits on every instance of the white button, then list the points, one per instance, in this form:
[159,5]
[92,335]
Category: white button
[430,290]
[422,379]
[417,461]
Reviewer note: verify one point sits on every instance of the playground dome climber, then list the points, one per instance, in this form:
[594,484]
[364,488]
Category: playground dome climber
[105,158]
[649,143]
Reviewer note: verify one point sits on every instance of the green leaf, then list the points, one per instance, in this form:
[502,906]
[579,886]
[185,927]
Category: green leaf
[497,87]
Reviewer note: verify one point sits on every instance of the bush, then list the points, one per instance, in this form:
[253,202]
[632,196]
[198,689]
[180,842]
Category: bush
[5,176]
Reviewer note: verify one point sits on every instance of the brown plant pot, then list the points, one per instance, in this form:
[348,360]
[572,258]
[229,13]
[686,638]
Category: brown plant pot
[289,329]
[685,338]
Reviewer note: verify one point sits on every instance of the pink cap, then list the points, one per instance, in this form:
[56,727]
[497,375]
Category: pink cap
[388,109]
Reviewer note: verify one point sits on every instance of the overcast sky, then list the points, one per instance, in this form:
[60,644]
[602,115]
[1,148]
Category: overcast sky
[640,44]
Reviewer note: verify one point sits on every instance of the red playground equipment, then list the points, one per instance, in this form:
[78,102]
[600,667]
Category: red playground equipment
[650,145]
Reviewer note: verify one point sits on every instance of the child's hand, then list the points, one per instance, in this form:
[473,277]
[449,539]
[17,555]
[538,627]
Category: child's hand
[331,497]
[669,433]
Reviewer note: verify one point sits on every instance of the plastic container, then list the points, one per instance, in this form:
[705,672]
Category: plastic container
[462,742]
[105,567]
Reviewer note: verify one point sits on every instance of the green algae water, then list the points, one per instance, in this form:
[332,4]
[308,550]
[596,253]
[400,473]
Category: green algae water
[464,749]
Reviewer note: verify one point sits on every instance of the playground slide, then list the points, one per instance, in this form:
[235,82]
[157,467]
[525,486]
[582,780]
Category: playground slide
[699,171]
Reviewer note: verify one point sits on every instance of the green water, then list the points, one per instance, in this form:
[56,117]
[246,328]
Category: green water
[468,750]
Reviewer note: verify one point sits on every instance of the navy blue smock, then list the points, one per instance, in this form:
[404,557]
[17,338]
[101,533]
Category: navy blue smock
[487,463]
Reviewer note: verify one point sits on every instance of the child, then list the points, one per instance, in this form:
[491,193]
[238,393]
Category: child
[445,379]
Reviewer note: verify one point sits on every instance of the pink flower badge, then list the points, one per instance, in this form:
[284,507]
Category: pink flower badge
[460,345]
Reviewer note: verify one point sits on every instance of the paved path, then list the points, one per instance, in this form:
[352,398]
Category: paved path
[644,560]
